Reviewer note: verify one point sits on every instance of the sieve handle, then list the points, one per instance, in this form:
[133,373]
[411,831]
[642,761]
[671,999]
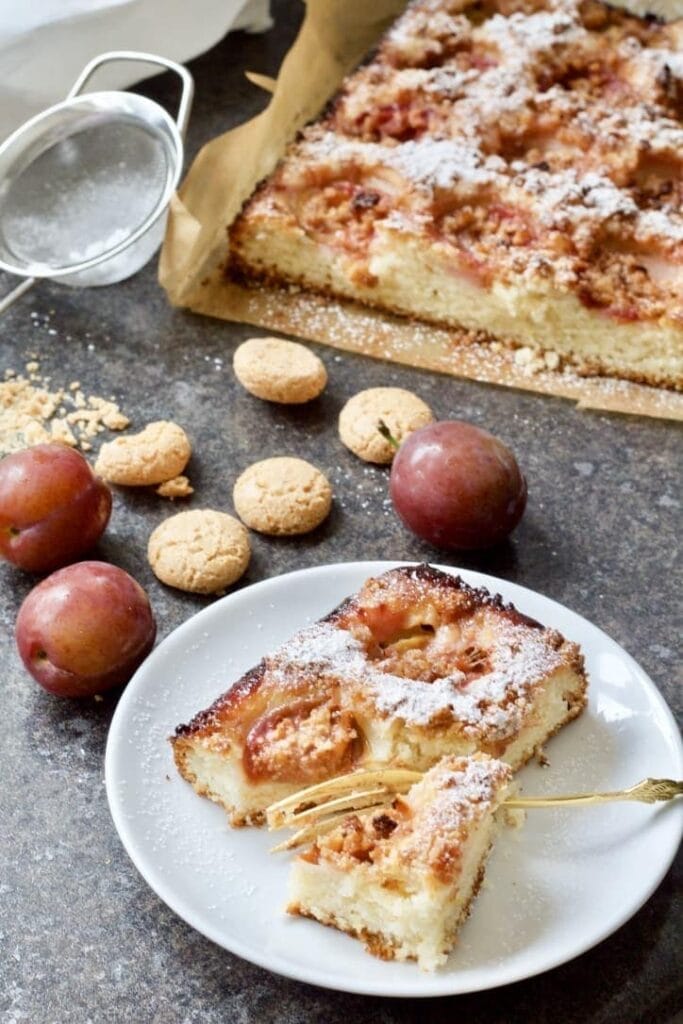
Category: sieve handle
[186,95]
[16,293]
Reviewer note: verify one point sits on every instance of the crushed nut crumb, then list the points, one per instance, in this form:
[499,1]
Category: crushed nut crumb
[31,414]
[178,487]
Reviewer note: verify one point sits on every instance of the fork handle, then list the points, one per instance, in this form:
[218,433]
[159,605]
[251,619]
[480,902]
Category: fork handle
[648,791]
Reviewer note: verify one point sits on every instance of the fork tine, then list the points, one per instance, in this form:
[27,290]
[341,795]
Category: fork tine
[391,779]
[319,828]
[351,802]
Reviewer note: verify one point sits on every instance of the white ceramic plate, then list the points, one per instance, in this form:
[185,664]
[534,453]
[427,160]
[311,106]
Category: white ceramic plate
[554,888]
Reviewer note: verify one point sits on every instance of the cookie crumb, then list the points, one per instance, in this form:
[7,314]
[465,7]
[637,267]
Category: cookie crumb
[31,413]
[61,431]
[178,487]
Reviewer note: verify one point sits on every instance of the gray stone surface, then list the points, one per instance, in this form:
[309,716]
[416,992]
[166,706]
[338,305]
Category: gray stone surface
[82,937]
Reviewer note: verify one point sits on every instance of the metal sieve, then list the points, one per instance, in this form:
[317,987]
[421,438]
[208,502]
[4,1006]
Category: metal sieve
[84,185]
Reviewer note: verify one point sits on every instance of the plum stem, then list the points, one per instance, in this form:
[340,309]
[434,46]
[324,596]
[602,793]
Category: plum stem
[387,435]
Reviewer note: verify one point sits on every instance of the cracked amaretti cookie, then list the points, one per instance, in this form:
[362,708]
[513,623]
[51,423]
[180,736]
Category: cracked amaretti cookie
[513,167]
[402,879]
[414,666]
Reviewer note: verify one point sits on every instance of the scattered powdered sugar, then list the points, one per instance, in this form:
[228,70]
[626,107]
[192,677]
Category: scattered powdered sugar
[417,701]
[655,61]
[568,196]
[441,163]
[429,163]
[461,793]
[633,126]
[495,92]
[451,799]
[355,328]
[438,22]
[659,224]
[564,199]
[321,647]
[534,33]
[446,81]
[519,658]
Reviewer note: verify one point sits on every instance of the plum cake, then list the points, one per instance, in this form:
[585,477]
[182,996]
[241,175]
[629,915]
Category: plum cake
[510,167]
[415,665]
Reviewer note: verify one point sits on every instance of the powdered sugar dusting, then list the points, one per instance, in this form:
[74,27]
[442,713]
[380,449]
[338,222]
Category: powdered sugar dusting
[535,33]
[442,163]
[566,196]
[446,81]
[506,83]
[540,152]
[429,163]
[403,32]
[658,224]
[633,127]
[561,198]
[457,791]
[321,648]
[494,701]
[447,805]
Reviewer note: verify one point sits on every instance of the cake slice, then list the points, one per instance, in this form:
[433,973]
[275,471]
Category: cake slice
[403,879]
[510,167]
[414,666]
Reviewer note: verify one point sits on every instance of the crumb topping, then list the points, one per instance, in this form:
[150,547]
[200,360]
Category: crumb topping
[541,138]
[426,829]
[416,658]
[475,666]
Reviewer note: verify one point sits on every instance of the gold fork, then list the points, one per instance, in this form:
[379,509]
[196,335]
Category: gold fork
[317,809]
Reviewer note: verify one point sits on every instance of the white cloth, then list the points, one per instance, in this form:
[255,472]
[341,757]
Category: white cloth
[669,10]
[44,44]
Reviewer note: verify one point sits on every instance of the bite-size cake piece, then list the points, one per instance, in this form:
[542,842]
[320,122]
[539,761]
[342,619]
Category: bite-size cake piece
[511,167]
[402,879]
[414,666]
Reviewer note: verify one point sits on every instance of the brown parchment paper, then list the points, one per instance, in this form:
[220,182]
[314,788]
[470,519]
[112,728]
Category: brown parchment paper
[334,37]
